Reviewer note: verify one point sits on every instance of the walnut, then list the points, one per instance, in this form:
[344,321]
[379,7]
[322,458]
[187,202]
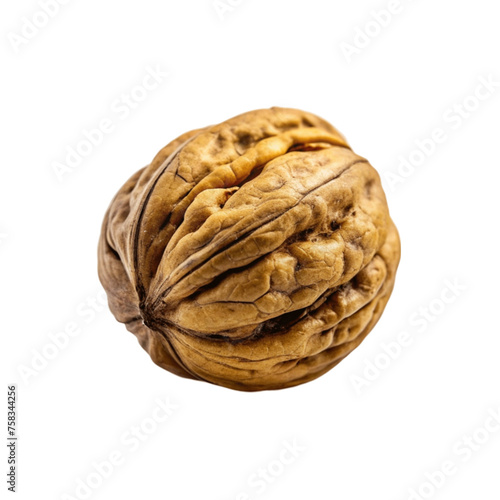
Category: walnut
[254,254]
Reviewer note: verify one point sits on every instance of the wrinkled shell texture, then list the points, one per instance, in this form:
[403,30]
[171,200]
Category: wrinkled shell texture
[254,254]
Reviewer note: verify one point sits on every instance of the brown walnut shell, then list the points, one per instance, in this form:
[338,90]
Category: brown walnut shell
[254,254]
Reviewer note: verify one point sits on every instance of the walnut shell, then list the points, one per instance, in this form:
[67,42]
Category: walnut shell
[255,254]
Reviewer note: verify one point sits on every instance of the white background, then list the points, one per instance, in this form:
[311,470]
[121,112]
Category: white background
[377,441]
